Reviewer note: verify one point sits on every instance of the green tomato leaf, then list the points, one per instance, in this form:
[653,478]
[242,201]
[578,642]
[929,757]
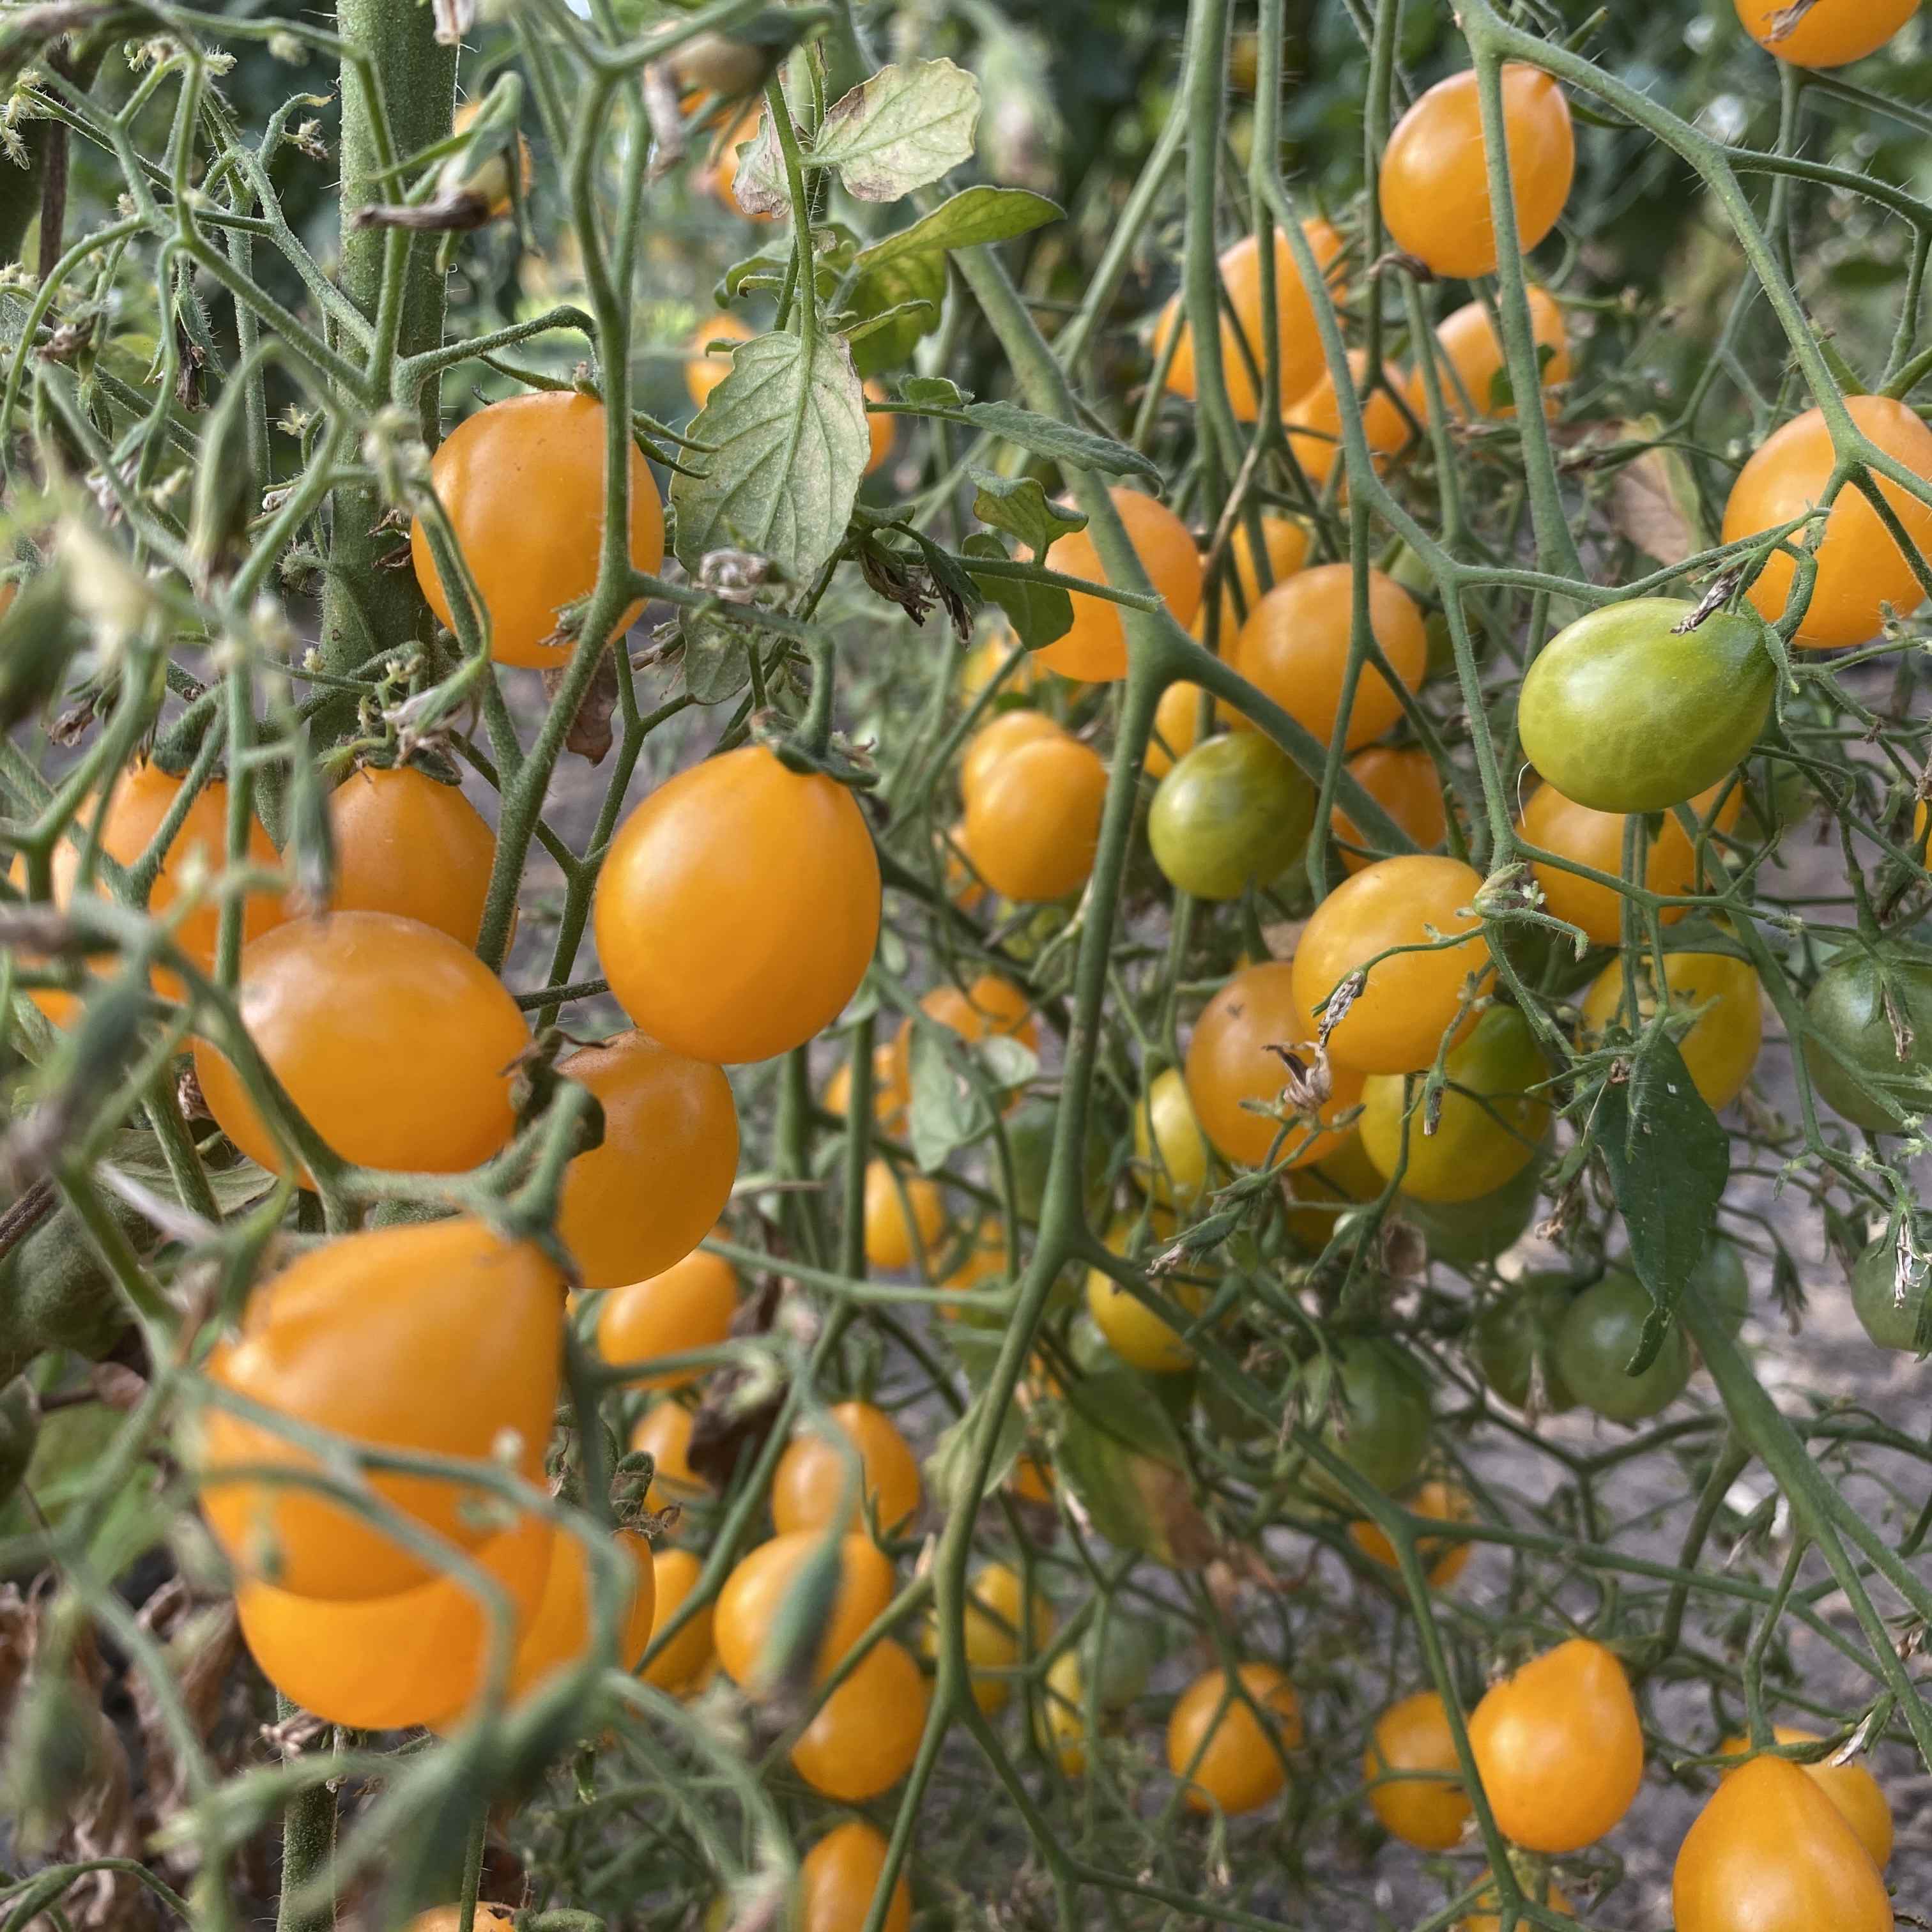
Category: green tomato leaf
[902,130]
[947,1111]
[1669,1159]
[1059,442]
[933,392]
[969,220]
[716,664]
[911,289]
[1039,612]
[1120,1453]
[1019,506]
[784,445]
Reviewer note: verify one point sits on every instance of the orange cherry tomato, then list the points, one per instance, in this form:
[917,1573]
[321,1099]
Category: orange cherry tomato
[1414,1783]
[839,1878]
[866,1734]
[889,1094]
[449,1919]
[1231,1059]
[141,798]
[708,367]
[986,664]
[353,1337]
[1295,647]
[1314,421]
[738,908]
[1406,785]
[1298,353]
[1559,1748]
[1284,546]
[998,1606]
[1550,1895]
[1444,1561]
[1032,1482]
[395,1042]
[1142,1338]
[991,1005]
[406,844]
[385,1663]
[808,1485]
[1434,183]
[905,1215]
[1861,567]
[1770,1852]
[1722,1046]
[755,1597]
[559,1634]
[523,483]
[1596,838]
[1830,33]
[1469,357]
[687,1307]
[995,742]
[643,1199]
[1215,1742]
[685,1661]
[663,1432]
[1095,650]
[1851,1787]
[882,429]
[1176,726]
[1410,1000]
[1033,827]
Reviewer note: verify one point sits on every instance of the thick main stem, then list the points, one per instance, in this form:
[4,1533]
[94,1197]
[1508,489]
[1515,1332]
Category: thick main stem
[366,607]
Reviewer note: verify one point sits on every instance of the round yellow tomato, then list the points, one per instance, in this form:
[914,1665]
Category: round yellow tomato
[1414,1783]
[559,1633]
[1770,1852]
[997,1606]
[707,367]
[1828,33]
[1095,650]
[1559,1748]
[808,1485]
[685,1661]
[1231,1059]
[1861,567]
[1445,1561]
[996,741]
[1409,999]
[687,1307]
[1721,1048]
[1851,1787]
[522,484]
[406,843]
[1170,1150]
[1135,1333]
[1596,838]
[1434,185]
[1294,649]
[738,908]
[1548,1894]
[663,1432]
[1033,824]
[1176,727]
[866,1734]
[1407,786]
[889,1096]
[755,1594]
[354,1337]
[1298,347]
[991,1005]
[1284,546]
[385,1663]
[1215,1742]
[1060,1726]
[1314,421]
[643,1199]
[905,1214]
[394,1041]
[1469,358]
[449,1919]
[839,1879]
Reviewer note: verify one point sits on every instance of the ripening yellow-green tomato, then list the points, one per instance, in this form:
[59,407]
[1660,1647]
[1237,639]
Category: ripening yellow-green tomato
[1170,1150]
[1492,1118]
[1721,1047]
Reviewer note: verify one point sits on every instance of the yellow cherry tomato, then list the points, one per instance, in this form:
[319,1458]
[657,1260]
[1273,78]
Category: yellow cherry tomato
[560,1632]
[1829,33]
[866,1734]
[1721,1048]
[808,1485]
[1414,1783]
[1444,1561]
[1033,825]
[1851,1787]
[1095,650]
[1176,727]
[1469,358]
[1314,421]
[1060,1728]
[1170,1150]
[839,1878]
[997,1607]
[996,741]
[755,1594]
[663,1432]
[1407,786]
[1284,546]
[1135,1333]
[406,843]
[1548,1894]
[687,1307]
[905,1215]
[889,1096]
[709,367]
[1216,1743]
[685,1661]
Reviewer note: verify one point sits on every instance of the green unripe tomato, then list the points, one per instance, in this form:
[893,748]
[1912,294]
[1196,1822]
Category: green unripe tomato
[1516,1333]
[1598,1336]
[1468,1235]
[1381,1430]
[1847,1010]
[1620,712]
[1891,1323]
[1233,813]
[1720,1277]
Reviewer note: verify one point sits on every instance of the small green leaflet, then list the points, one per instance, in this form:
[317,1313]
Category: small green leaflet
[902,130]
[1120,1453]
[1018,506]
[1062,443]
[1039,612]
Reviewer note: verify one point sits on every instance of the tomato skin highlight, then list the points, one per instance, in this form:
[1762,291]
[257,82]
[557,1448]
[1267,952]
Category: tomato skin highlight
[644,1198]
[1412,1735]
[523,482]
[1621,713]
[395,1042]
[1860,565]
[349,1338]
[1237,1769]
[1095,650]
[1559,1748]
[738,908]
[1770,1852]
[406,844]
[1434,182]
